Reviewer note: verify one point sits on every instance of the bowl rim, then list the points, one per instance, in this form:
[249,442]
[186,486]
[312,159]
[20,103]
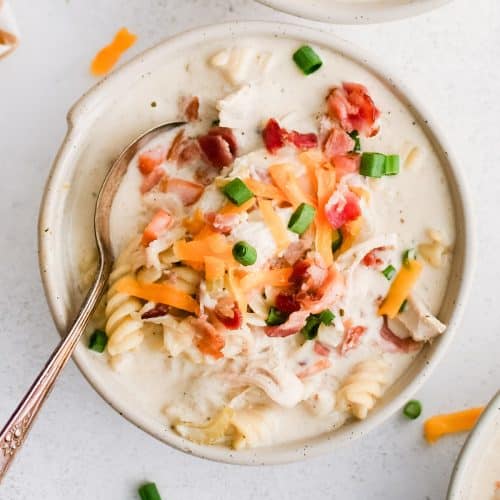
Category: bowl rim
[48,213]
[359,13]
[471,448]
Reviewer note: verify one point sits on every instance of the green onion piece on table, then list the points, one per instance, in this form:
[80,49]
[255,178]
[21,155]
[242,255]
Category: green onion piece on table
[408,255]
[354,135]
[391,166]
[98,341]
[301,219]
[275,317]
[337,240]
[372,164]
[237,191]
[412,409]
[389,272]
[307,60]
[149,491]
[244,253]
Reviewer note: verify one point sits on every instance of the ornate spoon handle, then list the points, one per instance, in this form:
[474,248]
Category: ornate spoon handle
[13,434]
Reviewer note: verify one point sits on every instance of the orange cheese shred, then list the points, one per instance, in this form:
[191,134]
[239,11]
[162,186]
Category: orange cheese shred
[400,288]
[158,292]
[195,223]
[325,181]
[231,208]
[274,223]
[234,285]
[214,245]
[438,426]
[272,277]
[108,56]
[214,268]
[265,190]
[283,176]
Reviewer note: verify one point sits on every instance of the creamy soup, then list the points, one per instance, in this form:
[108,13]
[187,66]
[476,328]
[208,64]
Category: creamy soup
[281,257]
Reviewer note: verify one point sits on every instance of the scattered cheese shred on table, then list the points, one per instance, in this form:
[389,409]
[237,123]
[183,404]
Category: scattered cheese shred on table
[438,426]
[108,56]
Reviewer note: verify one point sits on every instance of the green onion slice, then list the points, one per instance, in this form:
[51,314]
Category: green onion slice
[244,253]
[98,341]
[307,60]
[357,143]
[337,240]
[412,409]
[408,255]
[301,219]
[237,191]
[149,491]
[389,272]
[404,306]
[372,164]
[326,317]
[275,317]
[313,321]
[391,165]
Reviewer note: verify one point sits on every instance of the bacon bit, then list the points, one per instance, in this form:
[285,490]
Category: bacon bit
[275,137]
[221,223]
[157,311]
[353,108]
[209,340]
[188,192]
[287,303]
[228,313]
[152,179]
[218,146]
[343,211]
[151,159]
[295,251]
[404,345]
[191,108]
[160,222]
[292,325]
[346,164]
[337,143]
[108,56]
[175,148]
[315,299]
[352,338]
[299,271]
[189,152]
[317,367]
[321,349]
[227,134]
[371,259]
[205,174]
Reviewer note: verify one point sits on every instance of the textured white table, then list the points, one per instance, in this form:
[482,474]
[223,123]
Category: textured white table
[80,448]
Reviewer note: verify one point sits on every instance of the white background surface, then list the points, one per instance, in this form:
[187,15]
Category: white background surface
[80,448]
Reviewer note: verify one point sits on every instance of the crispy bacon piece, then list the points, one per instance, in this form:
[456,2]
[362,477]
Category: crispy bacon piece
[352,338]
[222,223]
[342,211]
[299,271]
[286,302]
[403,345]
[292,325]
[176,146]
[346,164]
[218,147]
[317,297]
[337,143]
[321,349]
[353,108]
[157,311]
[208,340]
[275,137]
[295,251]
[189,151]
[160,222]
[227,134]
[149,160]
[189,192]
[152,179]
[191,108]
[228,313]
[372,259]
[302,141]
[319,366]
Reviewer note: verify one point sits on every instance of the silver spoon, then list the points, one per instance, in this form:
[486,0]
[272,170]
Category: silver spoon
[14,433]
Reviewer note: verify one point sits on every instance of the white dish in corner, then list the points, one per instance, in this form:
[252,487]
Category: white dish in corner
[354,11]
[91,145]
[478,465]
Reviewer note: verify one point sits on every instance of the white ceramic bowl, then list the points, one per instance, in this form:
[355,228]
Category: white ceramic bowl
[467,473]
[354,11]
[67,213]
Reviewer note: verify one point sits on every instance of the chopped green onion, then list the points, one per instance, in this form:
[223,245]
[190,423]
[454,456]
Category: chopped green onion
[389,272]
[404,306]
[338,239]
[410,254]
[357,143]
[372,164]
[237,191]
[244,253]
[98,341]
[391,165]
[310,329]
[307,60]
[275,317]
[301,219]
[412,409]
[216,122]
[149,491]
